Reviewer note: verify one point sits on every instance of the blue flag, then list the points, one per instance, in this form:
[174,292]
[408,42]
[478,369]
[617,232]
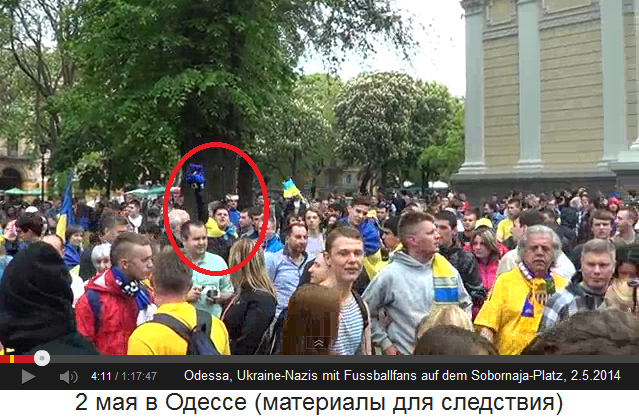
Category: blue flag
[66,211]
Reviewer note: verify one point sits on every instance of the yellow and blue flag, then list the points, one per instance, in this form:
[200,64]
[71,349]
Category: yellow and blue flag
[290,190]
[66,211]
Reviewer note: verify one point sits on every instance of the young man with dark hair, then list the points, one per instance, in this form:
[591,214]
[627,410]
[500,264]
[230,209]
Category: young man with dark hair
[209,293]
[221,232]
[134,216]
[110,228]
[600,223]
[463,261]
[172,281]
[345,258]
[285,267]
[357,218]
[627,218]
[417,279]
[28,228]
[504,230]
[117,301]
[470,223]
[256,213]
[245,224]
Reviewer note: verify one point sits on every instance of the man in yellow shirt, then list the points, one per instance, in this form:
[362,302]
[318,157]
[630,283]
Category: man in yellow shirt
[173,279]
[510,317]
[505,227]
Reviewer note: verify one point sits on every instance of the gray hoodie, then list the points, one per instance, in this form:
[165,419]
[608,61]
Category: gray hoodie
[405,289]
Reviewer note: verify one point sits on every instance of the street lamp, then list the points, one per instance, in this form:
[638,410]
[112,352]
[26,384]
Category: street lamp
[43,152]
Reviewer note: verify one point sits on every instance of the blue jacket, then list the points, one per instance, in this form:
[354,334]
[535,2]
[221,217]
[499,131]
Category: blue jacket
[371,234]
[234,215]
[273,245]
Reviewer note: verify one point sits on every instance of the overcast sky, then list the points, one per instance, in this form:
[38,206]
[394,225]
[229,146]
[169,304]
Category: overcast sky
[441,56]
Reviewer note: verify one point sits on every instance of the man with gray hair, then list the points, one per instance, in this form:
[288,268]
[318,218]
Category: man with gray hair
[587,290]
[510,317]
[177,218]
[562,266]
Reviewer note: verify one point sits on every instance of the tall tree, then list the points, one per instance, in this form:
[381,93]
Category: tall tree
[376,116]
[205,71]
[298,134]
[441,151]
[38,36]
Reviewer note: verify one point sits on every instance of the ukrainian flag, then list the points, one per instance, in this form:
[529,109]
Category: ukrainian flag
[290,190]
[66,212]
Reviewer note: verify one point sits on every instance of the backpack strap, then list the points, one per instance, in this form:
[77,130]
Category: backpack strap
[204,324]
[362,308]
[204,321]
[174,324]
[96,306]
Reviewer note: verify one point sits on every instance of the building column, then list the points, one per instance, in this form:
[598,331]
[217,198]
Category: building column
[626,164]
[529,86]
[474,107]
[614,77]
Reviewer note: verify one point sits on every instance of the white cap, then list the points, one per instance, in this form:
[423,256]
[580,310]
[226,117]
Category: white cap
[31,209]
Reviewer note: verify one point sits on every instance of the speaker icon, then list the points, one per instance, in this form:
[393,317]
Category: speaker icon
[69,377]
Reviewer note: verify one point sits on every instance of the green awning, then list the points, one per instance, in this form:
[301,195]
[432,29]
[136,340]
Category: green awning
[15,191]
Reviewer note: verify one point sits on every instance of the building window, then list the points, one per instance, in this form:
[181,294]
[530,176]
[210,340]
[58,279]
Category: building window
[347,179]
[12,148]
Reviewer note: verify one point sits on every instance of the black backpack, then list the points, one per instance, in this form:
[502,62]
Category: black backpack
[198,339]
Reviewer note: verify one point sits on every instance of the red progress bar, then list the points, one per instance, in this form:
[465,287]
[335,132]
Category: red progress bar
[18,358]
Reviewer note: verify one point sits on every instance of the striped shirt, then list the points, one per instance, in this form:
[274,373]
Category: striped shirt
[351,329]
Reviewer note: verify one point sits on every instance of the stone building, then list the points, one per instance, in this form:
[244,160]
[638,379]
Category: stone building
[18,169]
[551,96]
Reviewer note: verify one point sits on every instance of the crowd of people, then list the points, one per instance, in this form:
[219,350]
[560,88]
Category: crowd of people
[394,274]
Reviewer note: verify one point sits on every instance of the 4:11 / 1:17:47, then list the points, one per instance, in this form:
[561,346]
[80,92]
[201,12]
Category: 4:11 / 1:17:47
[123,376]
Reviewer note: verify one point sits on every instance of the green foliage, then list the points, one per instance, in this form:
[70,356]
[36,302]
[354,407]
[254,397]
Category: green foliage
[158,78]
[16,102]
[394,125]
[443,131]
[376,118]
[298,134]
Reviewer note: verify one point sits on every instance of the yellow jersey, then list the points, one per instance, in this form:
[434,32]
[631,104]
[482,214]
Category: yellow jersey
[153,338]
[512,313]
[505,230]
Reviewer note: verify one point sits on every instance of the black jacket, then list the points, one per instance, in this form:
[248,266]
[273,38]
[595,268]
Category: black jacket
[248,319]
[87,270]
[466,264]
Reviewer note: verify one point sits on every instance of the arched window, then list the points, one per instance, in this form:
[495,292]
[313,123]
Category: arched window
[10,178]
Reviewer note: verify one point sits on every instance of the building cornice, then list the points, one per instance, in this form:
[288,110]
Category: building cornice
[473,7]
[551,19]
[630,7]
[569,16]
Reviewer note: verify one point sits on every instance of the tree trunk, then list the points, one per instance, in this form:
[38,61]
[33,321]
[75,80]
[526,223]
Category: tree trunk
[293,162]
[108,180]
[363,188]
[424,180]
[384,175]
[245,184]
[219,164]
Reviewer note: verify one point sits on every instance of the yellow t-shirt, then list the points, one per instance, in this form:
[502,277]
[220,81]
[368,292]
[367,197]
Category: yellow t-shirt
[505,230]
[157,339]
[503,312]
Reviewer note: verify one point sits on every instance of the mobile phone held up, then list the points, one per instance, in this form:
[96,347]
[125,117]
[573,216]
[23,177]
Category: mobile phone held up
[195,176]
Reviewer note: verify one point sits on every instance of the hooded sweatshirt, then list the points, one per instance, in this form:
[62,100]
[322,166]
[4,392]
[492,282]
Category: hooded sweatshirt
[35,301]
[407,290]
